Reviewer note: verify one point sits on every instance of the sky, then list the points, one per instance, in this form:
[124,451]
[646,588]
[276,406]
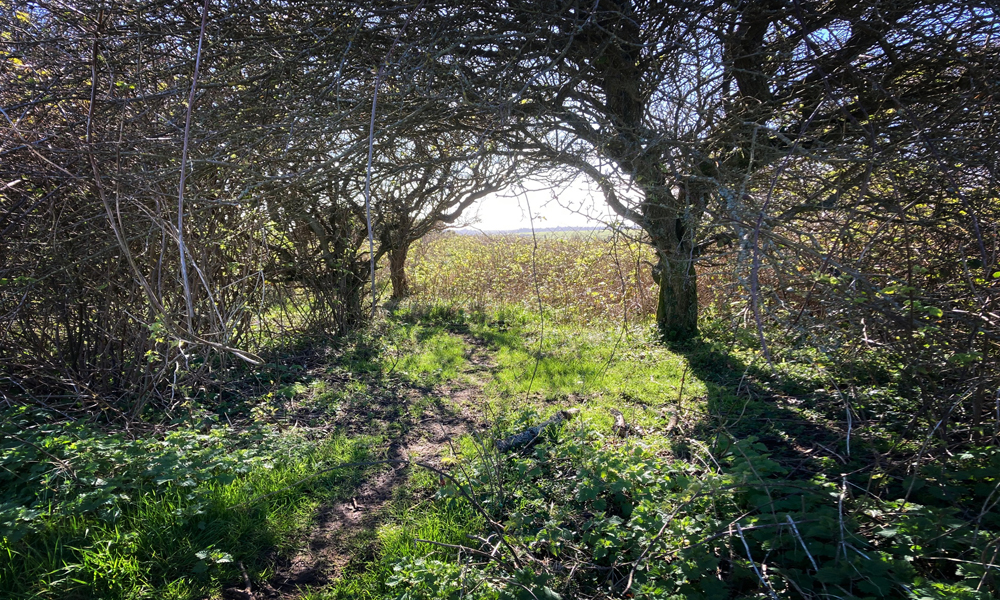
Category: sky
[576,205]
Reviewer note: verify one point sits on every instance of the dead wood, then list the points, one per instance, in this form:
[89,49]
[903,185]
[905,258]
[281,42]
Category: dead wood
[531,434]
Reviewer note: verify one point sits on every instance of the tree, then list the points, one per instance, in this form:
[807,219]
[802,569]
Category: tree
[782,134]
[699,107]
[425,181]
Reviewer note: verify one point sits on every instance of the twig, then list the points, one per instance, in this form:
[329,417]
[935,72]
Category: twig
[755,263]
[184,158]
[621,278]
[62,463]
[754,565]
[729,532]
[840,516]
[923,447]
[656,538]
[246,578]
[538,296]
[850,423]
[982,558]
[839,457]
[456,547]
[795,530]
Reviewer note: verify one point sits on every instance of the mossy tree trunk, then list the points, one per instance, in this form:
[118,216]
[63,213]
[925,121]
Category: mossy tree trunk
[677,303]
[671,223]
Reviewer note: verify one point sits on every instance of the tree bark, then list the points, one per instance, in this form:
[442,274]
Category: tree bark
[677,303]
[671,221]
[397,272]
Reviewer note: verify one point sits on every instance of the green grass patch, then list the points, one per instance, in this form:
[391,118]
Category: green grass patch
[426,354]
[420,511]
[763,446]
[588,368]
[760,470]
[90,515]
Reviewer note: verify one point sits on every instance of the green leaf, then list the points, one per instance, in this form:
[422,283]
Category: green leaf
[877,586]
[548,593]
[829,575]
[714,589]
[587,493]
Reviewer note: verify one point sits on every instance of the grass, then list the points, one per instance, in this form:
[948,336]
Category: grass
[87,513]
[756,445]
[167,518]
[427,354]
[409,519]
[728,440]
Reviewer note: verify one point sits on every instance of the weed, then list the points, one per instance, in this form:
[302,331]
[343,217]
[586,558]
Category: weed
[754,494]
[797,479]
[88,514]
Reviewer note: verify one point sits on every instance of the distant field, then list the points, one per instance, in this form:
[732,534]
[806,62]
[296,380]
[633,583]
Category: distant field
[580,275]
[583,275]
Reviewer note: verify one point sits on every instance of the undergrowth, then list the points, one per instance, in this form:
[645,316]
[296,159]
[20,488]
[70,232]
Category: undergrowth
[86,514]
[751,480]
[804,478]
[591,517]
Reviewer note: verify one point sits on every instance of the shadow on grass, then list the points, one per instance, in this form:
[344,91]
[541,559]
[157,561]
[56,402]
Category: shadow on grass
[174,515]
[803,427]
[313,403]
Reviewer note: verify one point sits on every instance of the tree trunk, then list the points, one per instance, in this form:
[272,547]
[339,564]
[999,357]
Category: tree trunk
[397,272]
[671,221]
[677,304]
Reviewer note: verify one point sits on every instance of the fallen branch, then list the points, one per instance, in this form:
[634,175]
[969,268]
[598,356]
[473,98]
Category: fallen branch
[530,435]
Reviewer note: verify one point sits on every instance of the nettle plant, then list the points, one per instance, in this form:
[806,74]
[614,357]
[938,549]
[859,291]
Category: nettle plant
[66,470]
[584,516]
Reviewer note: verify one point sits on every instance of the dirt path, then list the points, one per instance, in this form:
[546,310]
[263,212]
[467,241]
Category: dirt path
[341,529]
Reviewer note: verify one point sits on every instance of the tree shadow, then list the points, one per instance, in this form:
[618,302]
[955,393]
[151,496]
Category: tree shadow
[803,426]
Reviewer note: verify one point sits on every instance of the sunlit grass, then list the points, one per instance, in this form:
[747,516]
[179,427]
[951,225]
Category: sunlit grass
[596,370]
[172,539]
[428,354]
[414,515]
[180,538]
